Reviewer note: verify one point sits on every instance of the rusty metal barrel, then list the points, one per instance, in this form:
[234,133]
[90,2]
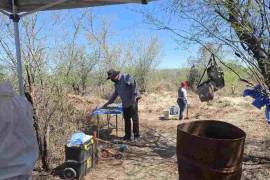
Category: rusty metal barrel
[209,150]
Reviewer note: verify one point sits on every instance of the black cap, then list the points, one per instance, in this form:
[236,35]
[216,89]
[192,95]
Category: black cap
[144,1]
[112,73]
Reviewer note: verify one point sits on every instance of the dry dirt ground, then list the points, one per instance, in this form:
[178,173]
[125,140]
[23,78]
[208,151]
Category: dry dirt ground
[155,158]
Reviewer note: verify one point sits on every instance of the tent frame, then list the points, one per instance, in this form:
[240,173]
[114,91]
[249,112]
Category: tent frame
[15,17]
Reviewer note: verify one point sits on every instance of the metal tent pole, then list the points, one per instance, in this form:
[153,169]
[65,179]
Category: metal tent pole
[16,20]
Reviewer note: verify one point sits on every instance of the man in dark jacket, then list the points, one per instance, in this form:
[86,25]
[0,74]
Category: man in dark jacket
[125,87]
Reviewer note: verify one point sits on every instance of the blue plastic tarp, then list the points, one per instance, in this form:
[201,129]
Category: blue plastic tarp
[79,138]
[267,114]
[261,99]
[115,110]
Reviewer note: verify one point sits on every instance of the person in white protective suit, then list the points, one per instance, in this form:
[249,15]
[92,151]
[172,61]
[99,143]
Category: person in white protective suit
[18,142]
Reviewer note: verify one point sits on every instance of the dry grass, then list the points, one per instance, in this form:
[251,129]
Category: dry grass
[158,161]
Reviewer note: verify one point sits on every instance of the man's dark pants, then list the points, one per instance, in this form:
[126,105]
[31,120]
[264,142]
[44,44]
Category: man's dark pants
[131,112]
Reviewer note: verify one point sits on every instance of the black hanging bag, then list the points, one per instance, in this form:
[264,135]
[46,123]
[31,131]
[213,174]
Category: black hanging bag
[214,82]
[206,91]
[215,74]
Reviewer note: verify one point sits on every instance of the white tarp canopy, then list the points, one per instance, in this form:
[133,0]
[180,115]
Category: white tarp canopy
[19,8]
[30,5]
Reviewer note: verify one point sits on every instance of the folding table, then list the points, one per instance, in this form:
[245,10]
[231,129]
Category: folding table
[108,111]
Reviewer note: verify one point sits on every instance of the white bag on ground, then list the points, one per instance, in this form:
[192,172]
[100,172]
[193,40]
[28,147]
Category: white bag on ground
[18,142]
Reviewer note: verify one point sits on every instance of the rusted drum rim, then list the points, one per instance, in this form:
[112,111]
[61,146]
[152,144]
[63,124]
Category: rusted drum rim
[242,134]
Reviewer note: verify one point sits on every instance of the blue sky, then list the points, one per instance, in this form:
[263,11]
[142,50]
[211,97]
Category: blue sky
[129,24]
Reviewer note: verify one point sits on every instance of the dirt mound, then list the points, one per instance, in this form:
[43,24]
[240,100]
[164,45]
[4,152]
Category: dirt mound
[85,103]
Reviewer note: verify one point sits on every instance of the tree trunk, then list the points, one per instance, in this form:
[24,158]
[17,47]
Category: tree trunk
[83,86]
[76,88]
[45,149]
[42,142]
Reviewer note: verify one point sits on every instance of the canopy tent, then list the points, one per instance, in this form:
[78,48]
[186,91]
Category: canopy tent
[16,9]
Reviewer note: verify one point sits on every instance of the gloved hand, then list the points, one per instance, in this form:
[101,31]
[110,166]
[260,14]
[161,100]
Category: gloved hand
[138,98]
[105,105]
